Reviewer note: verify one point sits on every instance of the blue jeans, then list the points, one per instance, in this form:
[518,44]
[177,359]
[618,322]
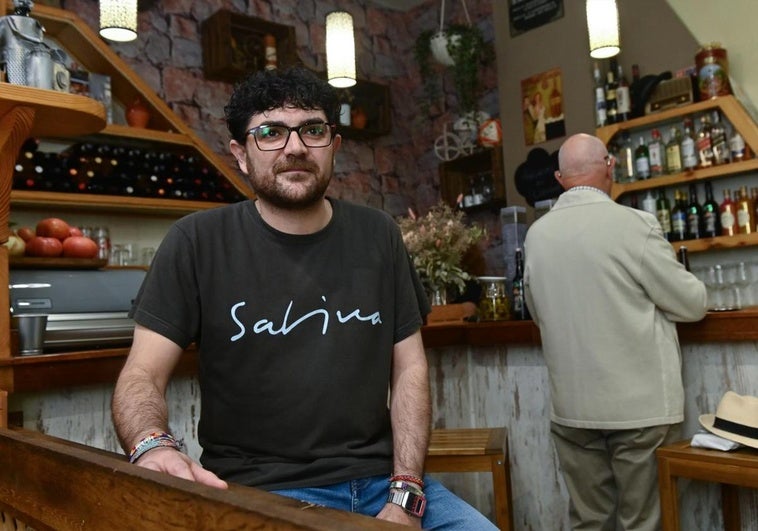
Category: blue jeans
[444,510]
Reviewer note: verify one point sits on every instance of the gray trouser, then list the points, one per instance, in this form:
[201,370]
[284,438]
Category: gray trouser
[612,475]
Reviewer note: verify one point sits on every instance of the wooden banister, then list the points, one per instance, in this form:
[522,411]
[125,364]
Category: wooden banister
[50,483]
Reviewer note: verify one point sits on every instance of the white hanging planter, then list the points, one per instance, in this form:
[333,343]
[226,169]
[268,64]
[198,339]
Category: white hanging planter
[438,46]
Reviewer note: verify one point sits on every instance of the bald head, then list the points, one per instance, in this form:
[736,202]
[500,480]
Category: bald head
[582,161]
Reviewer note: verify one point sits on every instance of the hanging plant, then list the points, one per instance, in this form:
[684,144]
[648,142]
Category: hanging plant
[469,54]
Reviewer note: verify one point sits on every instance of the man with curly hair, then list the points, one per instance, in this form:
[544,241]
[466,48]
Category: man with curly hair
[306,312]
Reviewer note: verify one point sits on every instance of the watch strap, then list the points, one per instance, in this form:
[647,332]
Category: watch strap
[412,503]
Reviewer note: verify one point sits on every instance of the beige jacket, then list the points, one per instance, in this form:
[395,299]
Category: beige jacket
[605,289]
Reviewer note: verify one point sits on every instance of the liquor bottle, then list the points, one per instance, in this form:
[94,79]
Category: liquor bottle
[648,203]
[611,105]
[703,143]
[727,215]
[694,215]
[745,213]
[721,153]
[657,152]
[601,117]
[625,158]
[678,218]
[684,257]
[520,311]
[711,218]
[623,98]
[663,213]
[674,151]
[737,146]
[687,145]
[642,160]
[754,198]
[634,91]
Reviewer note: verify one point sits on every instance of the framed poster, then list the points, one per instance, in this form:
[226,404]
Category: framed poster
[526,15]
[542,107]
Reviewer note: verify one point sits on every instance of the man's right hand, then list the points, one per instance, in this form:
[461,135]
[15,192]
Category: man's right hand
[174,462]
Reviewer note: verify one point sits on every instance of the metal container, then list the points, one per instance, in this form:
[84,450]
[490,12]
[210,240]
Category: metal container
[712,71]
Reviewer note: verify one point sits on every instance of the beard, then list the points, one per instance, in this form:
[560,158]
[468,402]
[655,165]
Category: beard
[285,193]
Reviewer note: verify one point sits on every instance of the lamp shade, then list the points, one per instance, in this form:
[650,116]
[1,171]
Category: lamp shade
[340,49]
[118,20]
[603,27]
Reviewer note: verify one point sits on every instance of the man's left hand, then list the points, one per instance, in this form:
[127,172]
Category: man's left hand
[395,513]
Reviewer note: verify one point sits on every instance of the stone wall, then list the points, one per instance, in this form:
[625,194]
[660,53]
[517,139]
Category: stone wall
[392,172]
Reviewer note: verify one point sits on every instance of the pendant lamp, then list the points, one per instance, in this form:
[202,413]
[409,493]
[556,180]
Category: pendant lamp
[603,27]
[118,20]
[340,49]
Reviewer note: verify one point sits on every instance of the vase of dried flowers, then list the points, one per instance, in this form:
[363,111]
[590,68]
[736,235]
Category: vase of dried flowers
[437,242]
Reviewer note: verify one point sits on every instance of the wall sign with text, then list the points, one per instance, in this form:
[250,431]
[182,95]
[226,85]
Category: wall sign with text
[526,15]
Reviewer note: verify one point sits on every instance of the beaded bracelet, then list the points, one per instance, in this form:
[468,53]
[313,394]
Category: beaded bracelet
[154,440]
[411,479]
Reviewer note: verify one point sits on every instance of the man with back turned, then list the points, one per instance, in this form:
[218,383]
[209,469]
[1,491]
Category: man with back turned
[606,290]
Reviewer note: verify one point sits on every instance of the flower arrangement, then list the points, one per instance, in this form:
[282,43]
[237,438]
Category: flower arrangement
[437,243]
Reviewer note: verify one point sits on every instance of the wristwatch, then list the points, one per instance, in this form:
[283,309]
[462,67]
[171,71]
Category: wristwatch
[412,503]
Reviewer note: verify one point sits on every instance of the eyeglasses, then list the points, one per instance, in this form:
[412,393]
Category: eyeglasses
[274,137]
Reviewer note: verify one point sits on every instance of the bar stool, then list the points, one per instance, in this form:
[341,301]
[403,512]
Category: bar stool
[476,450]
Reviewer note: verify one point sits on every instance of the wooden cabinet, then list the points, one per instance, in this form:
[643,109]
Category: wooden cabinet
[233,45]
[469,175]
[372,101]
[736,115]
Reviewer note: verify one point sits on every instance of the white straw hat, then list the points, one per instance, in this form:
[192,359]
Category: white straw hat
[736,419]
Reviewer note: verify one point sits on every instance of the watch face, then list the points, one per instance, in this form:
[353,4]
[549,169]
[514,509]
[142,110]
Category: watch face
[413,504]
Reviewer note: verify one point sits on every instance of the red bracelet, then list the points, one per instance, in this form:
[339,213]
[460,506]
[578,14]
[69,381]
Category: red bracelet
[410,479]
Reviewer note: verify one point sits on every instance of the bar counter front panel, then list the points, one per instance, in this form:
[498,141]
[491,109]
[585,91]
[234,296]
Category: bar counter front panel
[485,374]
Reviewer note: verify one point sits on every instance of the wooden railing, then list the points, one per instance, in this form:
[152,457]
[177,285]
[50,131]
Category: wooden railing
[49,483]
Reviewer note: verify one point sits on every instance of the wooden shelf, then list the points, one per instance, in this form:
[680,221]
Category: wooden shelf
[111,203]
[718,243]
[456,174]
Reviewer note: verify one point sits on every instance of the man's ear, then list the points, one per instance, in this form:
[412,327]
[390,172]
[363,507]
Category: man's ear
[238,150]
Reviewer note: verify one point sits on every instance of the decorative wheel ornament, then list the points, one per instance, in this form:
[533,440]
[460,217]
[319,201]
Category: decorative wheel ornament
[447,147]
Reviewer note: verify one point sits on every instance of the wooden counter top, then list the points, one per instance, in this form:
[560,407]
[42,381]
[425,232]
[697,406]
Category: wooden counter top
[51,371]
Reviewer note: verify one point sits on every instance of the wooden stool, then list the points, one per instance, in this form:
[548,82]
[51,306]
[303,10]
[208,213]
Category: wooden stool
[738,468]
[476,450]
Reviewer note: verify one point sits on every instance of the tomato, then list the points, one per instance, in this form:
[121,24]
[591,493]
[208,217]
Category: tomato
[44,246]
[75,231]
[53,228]
[26,233]
[79,247]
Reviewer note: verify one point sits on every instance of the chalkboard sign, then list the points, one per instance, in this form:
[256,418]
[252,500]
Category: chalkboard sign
[526,15]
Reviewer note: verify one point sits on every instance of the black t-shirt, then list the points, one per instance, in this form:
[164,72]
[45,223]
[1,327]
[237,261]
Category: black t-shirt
[295,337]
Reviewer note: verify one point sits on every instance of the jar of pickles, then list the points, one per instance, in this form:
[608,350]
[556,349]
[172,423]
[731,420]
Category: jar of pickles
[493,304]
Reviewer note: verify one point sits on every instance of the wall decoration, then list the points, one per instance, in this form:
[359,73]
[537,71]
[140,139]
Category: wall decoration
[526,15]
[542,107]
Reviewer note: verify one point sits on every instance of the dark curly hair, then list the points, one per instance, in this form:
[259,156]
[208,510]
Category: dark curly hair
[272,89]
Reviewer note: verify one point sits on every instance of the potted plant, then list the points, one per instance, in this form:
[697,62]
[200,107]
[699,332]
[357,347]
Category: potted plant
[468,52]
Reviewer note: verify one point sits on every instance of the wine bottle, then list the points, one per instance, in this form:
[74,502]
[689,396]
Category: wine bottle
[720,145]
[623,99]
[663,213]
[687,145]
[727,215]
[674,151]
[657,152]
[520,311]
[694,215]
[745,220]
[678,218]
[601,117]
[648,203]
[611,106]
[711,220]
[642,160]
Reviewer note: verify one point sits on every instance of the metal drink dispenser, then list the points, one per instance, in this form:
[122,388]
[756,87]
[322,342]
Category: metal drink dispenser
[22,49]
